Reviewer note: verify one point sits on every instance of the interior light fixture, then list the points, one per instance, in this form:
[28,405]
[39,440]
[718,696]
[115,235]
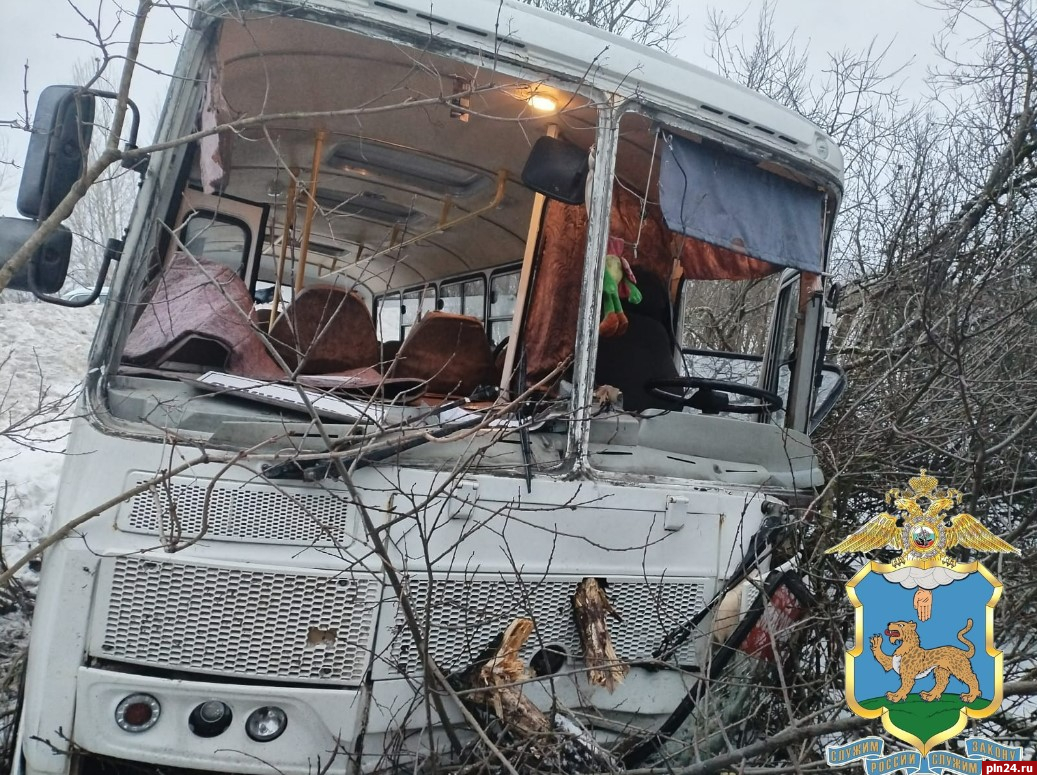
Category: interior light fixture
[359,157]
[542,102]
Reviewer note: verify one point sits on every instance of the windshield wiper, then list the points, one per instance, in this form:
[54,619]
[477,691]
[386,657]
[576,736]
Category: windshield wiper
[365,454]
[372,450]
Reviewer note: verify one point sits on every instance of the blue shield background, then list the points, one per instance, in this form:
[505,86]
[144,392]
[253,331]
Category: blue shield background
[953,604]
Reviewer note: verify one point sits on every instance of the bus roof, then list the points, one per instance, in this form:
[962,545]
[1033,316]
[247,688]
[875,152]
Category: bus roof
[521,34]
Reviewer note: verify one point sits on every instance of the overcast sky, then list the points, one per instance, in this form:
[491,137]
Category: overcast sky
[30,33]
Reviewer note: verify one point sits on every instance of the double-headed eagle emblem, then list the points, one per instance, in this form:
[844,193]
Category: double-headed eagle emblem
[923,533]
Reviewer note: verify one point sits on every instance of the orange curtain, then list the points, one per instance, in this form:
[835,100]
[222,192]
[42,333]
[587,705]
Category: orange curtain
[550,330]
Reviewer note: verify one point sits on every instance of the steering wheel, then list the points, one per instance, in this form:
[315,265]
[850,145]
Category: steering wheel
[706,398]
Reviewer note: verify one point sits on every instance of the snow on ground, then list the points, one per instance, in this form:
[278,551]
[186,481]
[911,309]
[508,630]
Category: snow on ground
[43,354]
[42,362]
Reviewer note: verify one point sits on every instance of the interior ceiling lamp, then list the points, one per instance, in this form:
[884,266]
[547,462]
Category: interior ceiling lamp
[544,103]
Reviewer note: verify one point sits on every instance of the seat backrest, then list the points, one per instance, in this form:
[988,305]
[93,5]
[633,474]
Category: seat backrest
[326,329]
[450,353]
[629,360]
[199,313]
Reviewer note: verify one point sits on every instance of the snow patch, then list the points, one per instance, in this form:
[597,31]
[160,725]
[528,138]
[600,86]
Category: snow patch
[42,365]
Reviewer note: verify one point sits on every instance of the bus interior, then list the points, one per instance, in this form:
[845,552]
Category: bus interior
[373,241]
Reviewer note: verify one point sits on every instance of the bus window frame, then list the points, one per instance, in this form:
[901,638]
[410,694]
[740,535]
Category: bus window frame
[253,216]
[422,292]
[490,319]
[486,277]
[248,270]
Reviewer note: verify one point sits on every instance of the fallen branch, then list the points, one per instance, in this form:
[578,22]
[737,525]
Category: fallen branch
[496,684]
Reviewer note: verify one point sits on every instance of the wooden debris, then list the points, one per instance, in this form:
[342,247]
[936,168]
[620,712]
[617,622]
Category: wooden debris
[590,607]
[555,744]
[496,679]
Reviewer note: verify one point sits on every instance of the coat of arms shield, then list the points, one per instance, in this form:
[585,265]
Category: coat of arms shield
[923,657]
[925,677]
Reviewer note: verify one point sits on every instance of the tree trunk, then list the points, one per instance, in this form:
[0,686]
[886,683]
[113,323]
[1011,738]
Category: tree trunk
[496,684]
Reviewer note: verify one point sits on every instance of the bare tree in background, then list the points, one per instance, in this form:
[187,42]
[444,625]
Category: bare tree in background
[651,22]
[937,330]
[104,210]
[5,164]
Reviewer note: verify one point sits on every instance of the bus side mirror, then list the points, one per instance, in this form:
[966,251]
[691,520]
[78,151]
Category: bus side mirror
[48,265]
[58,149]
[557,169]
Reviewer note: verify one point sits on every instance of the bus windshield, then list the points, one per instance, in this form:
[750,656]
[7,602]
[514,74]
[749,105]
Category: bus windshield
[372,250]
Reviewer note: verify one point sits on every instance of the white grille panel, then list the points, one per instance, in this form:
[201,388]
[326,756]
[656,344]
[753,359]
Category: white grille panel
[462,617]
[250,512]
[262,624]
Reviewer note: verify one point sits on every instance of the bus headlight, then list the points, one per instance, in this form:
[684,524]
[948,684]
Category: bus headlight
[266,724]
[210,718]
[137,713]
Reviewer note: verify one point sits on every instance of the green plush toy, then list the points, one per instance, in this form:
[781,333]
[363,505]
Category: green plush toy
[617,284]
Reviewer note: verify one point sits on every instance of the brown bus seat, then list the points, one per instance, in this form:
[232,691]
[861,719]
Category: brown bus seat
[326,329]
[449,352]
[199,316]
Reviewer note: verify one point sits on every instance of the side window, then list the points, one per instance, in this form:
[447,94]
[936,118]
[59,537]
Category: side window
[464,297]
[219,238]
[451,298]
[781,355]
[831,383]
[475,298]
[503,293]
[224,229]
[415,305]
[398,312]
[389,317]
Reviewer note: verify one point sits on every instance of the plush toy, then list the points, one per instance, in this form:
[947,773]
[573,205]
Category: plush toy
[618,283]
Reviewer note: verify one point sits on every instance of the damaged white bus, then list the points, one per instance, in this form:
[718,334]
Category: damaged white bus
[468,321]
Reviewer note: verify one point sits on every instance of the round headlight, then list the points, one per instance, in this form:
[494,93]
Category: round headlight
[266,724]
[137,713]
[210,718]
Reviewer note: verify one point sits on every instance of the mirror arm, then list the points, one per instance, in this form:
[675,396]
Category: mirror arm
[139,165]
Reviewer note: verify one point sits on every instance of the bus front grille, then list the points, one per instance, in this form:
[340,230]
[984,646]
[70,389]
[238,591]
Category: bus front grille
[252,512]
[226,620]
[463,615]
